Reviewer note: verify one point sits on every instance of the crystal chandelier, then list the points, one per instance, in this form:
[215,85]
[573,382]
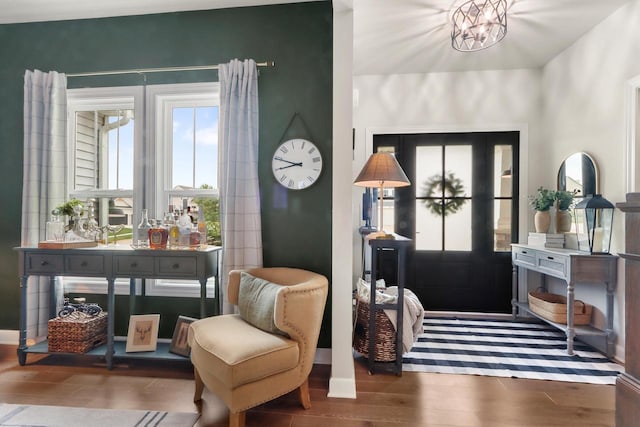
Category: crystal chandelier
[479,24]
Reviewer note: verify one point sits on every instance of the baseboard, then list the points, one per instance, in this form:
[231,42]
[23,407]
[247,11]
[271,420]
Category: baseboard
[343,388]
[323,356]
[9,337]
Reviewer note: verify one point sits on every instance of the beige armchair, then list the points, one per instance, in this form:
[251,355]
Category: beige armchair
[246,366]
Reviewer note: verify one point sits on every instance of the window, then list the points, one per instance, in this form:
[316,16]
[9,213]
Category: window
[119,167]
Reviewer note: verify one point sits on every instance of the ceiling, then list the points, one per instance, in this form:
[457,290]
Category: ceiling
[390,36]
[537,31]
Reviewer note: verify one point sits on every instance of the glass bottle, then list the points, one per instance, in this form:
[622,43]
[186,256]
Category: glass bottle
[54,229]
[158,236]
[172,227]
[202,228]
[142,236]
[184,226]
[194,238]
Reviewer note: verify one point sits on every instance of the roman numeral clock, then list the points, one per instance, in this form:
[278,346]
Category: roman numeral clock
[296,164]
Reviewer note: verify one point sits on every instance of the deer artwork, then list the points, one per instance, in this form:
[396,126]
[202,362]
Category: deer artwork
[143,330]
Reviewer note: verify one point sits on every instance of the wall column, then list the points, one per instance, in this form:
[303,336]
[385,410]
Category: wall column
[342,382]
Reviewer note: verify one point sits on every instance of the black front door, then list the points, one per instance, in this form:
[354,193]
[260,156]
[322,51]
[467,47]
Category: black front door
[461,211]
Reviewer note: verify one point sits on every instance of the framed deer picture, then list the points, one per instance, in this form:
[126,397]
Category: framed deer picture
[143,333]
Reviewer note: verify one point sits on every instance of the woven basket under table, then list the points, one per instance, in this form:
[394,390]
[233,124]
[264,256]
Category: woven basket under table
[385,339]
[77,333]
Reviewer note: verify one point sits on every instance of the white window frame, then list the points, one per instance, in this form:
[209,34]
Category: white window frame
[92,99]
[150,182]
[161,99]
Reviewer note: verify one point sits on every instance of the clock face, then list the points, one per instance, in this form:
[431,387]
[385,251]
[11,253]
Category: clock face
[296,164]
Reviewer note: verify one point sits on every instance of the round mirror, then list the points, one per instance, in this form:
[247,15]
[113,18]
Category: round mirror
[578,172]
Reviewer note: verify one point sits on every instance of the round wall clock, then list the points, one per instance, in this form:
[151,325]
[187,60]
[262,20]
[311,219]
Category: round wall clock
[296,164]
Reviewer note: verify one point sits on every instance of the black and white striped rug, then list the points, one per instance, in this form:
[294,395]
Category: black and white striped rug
[504,348]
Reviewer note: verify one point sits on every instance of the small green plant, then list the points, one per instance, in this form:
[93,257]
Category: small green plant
[543,200]
[565,199]
[67,207]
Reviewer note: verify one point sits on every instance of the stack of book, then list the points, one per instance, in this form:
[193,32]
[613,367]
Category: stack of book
[546,240]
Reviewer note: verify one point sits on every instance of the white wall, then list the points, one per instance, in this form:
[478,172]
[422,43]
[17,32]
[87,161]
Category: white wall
[583,92]
[449,102]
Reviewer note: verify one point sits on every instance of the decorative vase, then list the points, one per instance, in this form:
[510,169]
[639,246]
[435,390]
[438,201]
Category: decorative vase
[563,221]
[542,221]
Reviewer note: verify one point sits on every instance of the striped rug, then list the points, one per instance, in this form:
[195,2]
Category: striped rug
[504,348]
[12,415]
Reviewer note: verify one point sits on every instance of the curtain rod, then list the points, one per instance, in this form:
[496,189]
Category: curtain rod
[159,70]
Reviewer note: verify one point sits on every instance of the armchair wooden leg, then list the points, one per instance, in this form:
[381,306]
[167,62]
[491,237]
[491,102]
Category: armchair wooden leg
[236,419]
[303,391]
[197,395]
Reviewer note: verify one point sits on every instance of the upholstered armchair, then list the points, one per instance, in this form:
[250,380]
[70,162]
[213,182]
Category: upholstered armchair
[268,349]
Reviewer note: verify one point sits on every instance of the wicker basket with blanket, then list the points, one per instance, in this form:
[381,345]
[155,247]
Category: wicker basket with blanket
[77,333]
[385,339]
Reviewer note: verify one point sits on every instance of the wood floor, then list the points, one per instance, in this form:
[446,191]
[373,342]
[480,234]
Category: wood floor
[384,400]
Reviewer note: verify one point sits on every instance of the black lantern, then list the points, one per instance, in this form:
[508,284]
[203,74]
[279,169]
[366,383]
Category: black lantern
[594,223]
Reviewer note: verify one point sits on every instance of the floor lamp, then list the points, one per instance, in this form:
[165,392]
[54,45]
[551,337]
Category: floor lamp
[381,170]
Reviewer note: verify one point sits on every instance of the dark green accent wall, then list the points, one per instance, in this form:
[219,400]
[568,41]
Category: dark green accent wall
[298,37]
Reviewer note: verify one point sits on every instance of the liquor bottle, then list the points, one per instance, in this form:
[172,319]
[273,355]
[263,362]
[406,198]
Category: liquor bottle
[172,228]
[158,236]
[202,228]
[142,235]
[194,238]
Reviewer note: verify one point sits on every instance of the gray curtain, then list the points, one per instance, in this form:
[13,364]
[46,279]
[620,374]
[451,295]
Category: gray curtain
[238,170]
[45,127]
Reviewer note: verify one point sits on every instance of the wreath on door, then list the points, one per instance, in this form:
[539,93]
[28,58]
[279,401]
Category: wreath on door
[445,194]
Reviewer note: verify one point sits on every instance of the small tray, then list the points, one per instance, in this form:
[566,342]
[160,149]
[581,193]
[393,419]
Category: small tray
[67,245]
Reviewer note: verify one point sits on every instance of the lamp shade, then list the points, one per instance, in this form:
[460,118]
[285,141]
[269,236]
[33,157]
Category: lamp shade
[382,169]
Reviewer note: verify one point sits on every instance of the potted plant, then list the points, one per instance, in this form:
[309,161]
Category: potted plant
[563,216]
[68,209]
[541,202]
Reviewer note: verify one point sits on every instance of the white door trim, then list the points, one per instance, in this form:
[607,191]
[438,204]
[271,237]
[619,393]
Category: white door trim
[632,134]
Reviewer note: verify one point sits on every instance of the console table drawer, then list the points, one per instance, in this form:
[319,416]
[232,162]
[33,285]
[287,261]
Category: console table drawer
[85,265]
[133,265]
[553,264]
[43,263]
[177,266]
[524,256]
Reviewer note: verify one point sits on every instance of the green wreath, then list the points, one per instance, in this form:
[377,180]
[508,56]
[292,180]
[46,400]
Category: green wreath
[445,194]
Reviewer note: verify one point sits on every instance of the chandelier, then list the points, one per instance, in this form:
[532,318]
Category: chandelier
[479,24]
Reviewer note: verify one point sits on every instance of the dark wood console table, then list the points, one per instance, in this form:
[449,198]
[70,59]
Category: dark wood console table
[574,268]
[114,262]
[399,244]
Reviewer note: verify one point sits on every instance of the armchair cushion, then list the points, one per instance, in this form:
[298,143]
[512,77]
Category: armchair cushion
[237,353]
[256,302]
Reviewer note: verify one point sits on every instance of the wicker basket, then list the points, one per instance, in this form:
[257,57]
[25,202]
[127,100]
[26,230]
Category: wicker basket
[77,333]
[385,339]
[554,307]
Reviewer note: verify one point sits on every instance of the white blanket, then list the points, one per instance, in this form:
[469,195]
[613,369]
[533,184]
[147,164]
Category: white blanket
[412,316]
